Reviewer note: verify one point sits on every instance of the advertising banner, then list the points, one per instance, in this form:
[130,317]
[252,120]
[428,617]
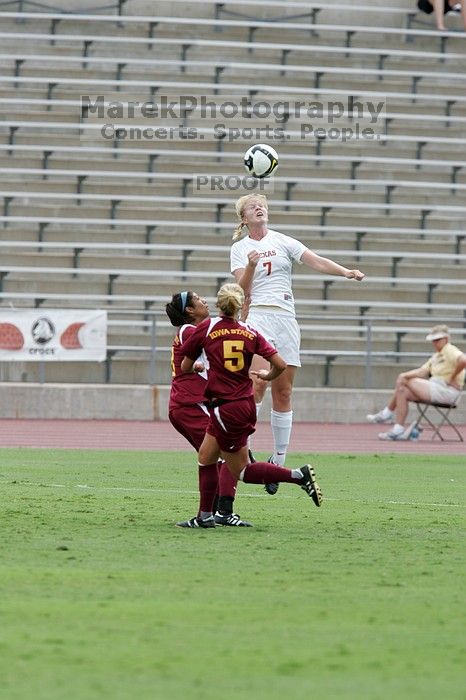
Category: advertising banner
[53,335]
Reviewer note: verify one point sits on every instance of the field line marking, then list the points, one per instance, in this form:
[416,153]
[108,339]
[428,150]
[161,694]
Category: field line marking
[137,489]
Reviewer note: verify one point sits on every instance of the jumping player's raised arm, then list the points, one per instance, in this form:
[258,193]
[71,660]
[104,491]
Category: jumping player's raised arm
[329,267]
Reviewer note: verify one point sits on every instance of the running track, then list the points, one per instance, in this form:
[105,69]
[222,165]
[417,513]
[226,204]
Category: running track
[147,435]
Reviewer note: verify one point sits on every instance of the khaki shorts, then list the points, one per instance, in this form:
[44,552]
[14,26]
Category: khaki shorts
[441,392]
[281,331]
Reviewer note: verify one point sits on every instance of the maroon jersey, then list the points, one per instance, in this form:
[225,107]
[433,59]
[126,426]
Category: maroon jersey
[229,346]
[186,388]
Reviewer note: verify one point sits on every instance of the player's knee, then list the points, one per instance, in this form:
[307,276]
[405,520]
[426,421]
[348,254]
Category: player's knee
[282,397]
[403,389]
[402,385]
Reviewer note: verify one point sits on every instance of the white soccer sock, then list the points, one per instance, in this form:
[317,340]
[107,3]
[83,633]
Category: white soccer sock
[281,423]
[398,429]
[386,413]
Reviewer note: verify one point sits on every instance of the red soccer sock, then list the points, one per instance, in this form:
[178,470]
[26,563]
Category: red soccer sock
[208,484]
[226,481]
[265,473]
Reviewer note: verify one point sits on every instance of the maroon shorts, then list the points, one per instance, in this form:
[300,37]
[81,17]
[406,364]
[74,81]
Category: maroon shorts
[191,422]
[232,422]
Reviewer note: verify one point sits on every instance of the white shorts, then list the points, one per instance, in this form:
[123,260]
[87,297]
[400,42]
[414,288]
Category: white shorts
[281,330]
[441,392]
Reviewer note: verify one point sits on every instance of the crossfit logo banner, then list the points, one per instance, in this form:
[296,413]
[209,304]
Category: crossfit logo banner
[53,335]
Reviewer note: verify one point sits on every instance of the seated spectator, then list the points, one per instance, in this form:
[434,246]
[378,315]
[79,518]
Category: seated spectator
[439,380]
[442,8]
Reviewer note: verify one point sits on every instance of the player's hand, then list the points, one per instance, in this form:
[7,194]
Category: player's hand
[253,258]
[260,374]
[355,275]
[198,366]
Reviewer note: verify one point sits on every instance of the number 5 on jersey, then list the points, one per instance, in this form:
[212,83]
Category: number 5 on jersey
[232,355]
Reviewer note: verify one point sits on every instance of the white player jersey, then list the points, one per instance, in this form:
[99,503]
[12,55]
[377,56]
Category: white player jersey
[271,285]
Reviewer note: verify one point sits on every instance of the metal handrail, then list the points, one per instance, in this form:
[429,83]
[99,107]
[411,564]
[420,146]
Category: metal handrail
[24,4]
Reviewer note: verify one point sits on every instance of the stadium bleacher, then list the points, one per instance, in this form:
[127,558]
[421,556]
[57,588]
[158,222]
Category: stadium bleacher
[120,223]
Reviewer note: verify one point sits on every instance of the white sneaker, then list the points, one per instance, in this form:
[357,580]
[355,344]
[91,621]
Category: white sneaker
[391,435]
[378,417]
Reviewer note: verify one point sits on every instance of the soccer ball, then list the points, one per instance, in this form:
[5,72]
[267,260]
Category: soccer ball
[261,160]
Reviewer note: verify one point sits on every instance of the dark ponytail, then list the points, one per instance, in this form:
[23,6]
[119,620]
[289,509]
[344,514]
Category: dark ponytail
[176,308]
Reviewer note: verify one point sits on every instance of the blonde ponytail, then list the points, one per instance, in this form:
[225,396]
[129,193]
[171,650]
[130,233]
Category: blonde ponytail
[238,232]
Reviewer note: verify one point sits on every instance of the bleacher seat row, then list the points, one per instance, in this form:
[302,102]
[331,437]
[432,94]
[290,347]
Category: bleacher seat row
[118,224]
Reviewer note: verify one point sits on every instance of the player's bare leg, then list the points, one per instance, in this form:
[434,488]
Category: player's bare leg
[260,387]
[281,419]
[282,414]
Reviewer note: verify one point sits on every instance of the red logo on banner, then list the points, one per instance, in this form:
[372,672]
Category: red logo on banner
[69,338]
[11,337]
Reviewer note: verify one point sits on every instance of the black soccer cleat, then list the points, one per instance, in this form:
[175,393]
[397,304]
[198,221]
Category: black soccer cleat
[310,485]
[198,522]
[271,489]
[230,519]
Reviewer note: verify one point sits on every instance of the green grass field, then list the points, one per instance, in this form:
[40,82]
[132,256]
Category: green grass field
[102,597]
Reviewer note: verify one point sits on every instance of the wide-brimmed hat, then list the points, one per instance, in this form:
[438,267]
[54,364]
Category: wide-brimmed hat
[438,332]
